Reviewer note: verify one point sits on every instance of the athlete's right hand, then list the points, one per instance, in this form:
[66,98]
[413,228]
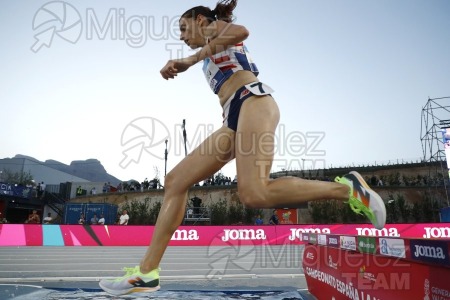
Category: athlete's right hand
[175,66]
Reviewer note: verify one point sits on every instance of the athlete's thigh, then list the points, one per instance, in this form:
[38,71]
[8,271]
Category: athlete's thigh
[255,138]
[209,157]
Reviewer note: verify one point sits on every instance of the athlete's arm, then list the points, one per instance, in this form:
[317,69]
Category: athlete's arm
[221,36]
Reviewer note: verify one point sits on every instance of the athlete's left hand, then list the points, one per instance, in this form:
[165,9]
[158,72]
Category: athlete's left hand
[175,66]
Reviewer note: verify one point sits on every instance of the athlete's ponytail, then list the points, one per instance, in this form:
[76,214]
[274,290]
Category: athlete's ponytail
[223,11]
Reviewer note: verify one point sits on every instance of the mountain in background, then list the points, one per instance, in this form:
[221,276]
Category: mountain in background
[89,169]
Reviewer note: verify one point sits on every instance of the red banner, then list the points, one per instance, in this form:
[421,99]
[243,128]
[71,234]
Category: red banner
[374,272]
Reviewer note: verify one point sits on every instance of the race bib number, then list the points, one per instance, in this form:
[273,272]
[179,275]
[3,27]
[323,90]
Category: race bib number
[259,88]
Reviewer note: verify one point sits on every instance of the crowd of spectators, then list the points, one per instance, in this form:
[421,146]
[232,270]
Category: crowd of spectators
[398,179]
[219,179]
[134,185]
[394,180]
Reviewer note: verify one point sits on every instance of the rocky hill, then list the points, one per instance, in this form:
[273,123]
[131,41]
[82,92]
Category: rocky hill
[89,169]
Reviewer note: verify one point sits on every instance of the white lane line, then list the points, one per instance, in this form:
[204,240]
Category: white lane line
[22,285]
[164,269]
[164,278]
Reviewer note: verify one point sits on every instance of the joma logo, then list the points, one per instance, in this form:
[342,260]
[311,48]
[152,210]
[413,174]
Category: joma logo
[428,251]
[296,233]
[243,234]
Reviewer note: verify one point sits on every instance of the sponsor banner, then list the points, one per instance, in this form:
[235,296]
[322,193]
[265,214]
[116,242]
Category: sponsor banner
[348,242]
[305,237]
[322,239]
[15,190]
[292,233]
[430,251]
[224,236]
[392,247]
[287,215]
[366,244]
[333,241]
[313,238]
[131,235]
[339,274]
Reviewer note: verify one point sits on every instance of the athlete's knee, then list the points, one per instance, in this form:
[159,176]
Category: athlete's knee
[253,197]
[173,184]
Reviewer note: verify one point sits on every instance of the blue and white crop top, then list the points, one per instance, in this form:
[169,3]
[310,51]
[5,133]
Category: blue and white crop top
[219,67]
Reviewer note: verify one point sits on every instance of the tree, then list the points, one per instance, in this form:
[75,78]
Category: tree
[21,178]
[140,212]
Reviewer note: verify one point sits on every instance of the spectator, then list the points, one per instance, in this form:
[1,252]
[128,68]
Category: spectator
[259,220]
[48,219]
[39,190]
[34,218]
[43,189]
[124,218]
[189,213]
[105,188]
[197,203]
[274,218]
[3,221]
[101,221]
[94,220]
[82,220]
[79,191]
[93,191]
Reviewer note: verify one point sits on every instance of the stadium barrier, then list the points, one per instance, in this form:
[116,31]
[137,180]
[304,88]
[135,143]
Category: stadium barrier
[361,267]
[115,235]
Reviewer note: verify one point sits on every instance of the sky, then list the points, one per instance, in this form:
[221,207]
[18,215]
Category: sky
[80,80]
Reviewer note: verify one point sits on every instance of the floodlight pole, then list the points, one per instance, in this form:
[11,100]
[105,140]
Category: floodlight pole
[165,159]
[184,137]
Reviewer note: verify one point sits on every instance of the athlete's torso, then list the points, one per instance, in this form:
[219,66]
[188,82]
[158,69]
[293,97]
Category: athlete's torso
[222,66]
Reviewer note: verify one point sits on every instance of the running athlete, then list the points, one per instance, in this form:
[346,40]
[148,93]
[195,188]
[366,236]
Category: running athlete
[250,118]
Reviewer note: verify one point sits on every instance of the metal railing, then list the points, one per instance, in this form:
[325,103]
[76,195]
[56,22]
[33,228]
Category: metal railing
[194,215]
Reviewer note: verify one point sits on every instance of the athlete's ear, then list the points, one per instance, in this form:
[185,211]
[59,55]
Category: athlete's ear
[200,19]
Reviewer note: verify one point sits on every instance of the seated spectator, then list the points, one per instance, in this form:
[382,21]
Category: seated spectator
[101,221]
[259,220]
[82,220]
[124,218]
[48,219]
[274,218]
[94,220]
[34,218]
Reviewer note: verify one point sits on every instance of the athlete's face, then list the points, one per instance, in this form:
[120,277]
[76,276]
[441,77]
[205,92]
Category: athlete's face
[191,32]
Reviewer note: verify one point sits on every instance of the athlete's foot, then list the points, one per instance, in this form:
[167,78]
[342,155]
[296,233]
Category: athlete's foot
[132,282]
[364,200]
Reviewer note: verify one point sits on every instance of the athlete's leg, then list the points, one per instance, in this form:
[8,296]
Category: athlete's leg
[204,161]
[254,147]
